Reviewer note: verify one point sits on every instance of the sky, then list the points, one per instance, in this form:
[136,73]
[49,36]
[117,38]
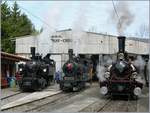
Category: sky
[88,15]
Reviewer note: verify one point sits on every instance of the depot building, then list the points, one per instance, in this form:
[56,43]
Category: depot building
[89,44]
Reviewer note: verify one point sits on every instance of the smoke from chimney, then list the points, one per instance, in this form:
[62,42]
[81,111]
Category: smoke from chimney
[125,17]
[78,26]
[51,19]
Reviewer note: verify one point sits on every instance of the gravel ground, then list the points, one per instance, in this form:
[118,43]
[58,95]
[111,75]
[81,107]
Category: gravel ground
[87,100]
[90,100]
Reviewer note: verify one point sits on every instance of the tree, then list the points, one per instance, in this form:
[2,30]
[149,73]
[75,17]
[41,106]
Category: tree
[14,24]
[5,29]
[5,11]
[15,12]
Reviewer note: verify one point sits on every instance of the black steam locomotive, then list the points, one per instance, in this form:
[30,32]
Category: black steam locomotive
[36,73]
[121,77]
[76,73]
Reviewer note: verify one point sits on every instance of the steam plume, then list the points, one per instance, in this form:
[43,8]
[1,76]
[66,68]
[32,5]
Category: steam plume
[52,19]
[140,63]
[102,67]
[78,26]
[100,72]
[126,17]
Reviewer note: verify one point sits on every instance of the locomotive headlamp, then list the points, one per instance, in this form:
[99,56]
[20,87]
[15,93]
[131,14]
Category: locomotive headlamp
[134,75]
[137,91]
[104,90]
[34,63]
[107,75]
[44,70]
[20,69]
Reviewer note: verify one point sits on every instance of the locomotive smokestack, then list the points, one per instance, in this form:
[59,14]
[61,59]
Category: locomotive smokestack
[32,52]
[70,52]
[121,44]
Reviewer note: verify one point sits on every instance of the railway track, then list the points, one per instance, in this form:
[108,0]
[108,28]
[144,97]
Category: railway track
[19,92]
[51,102]
[12,97]
[9,96]
[22,106]
[55,101]
[83,101]
[96,106]
[112,105]
[40,103]
[119,106]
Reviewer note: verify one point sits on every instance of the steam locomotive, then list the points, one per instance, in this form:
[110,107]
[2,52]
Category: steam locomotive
[121,77]
[76,73]
[36,73]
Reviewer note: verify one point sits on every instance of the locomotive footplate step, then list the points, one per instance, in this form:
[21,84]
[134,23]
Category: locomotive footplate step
[32,97]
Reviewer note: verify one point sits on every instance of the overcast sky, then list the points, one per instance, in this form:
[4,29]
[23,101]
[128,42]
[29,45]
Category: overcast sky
[89,15]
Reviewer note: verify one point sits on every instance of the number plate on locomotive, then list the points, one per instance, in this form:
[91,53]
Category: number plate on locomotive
[67,84]
[120,88]
[68,78]
[27,83]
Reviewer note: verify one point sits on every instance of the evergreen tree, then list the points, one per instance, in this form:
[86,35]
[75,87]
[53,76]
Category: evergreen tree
[14,24]
[5,12]
[5,29]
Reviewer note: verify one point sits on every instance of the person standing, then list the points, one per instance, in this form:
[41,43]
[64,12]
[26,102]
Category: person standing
[57,77]
[18,78]
[8,77]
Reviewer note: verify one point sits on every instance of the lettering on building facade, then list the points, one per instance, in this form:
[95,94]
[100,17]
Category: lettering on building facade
[59,38]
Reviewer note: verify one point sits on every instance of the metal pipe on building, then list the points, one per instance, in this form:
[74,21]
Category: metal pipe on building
[70,52]
[32,52]
[121,44]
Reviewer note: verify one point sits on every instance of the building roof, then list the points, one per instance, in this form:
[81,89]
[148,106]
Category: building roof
[146,40]
[12,57]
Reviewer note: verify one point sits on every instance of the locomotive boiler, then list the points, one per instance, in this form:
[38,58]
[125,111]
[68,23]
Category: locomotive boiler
[121,77]
[76,73]
[36,73]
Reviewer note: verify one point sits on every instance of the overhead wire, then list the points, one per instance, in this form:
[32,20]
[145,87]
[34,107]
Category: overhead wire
[50,27]
[116,12]
[37,17]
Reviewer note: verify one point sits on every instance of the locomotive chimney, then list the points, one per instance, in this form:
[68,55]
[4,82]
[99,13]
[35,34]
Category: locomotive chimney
[121,44]
[32,52]
[70,52]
